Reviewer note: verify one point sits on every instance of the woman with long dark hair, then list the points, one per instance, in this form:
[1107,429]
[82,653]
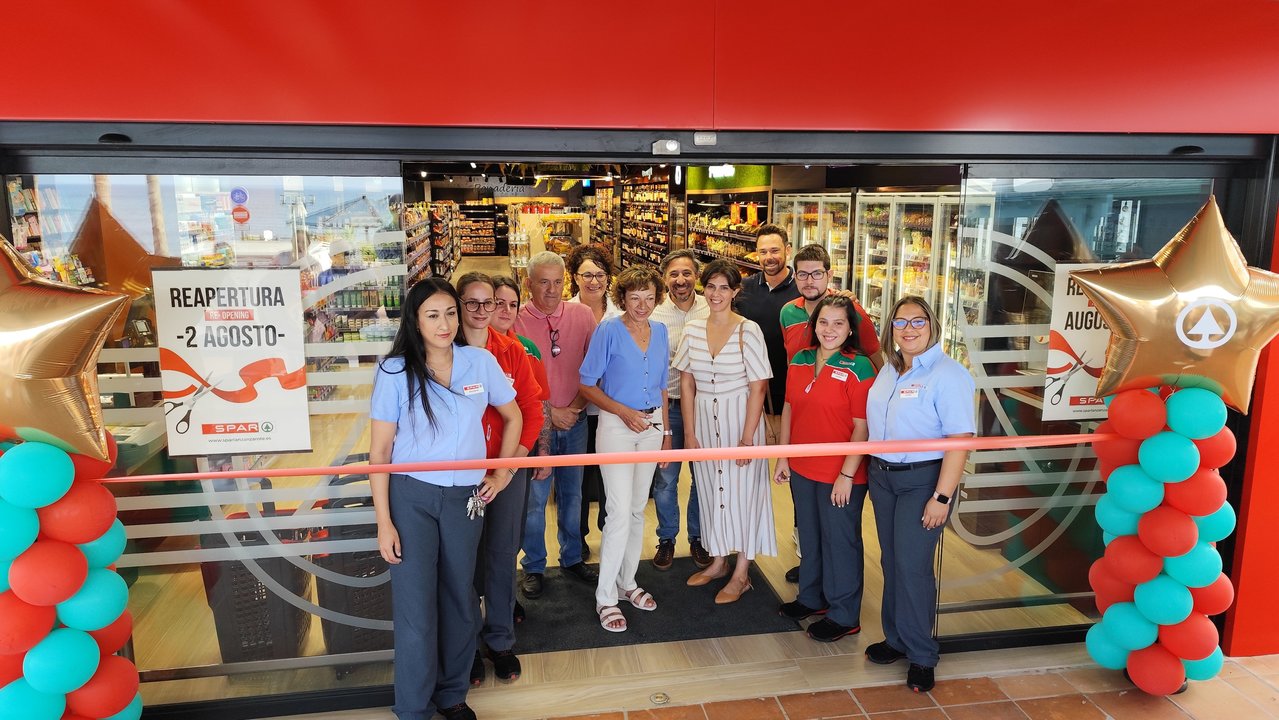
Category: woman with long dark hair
[429,398]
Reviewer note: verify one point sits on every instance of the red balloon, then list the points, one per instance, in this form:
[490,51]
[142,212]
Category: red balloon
[1104,469]
[10,667]
[1130,561]
[1201,494]
[1167,531]
[1109,588]
[1120,451]
[1137,414]
[1166,390]
[1155,670]
[1216,598]
[1191,639]
[113,637]
[108,692]
[49,572]
[22,624]
[7,433]
[73,716]
[83,514]
[87,468]
[1216,451]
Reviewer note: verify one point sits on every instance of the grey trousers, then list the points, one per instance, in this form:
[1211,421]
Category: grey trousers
[907,552]
[434,603]
[495,562]
[831,571]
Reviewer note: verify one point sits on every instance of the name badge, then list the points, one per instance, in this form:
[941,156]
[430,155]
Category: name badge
[908,393]
[475,389]
[839,375]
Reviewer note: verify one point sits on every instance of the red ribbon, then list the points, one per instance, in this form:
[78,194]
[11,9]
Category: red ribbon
[1056,341]
[251,374]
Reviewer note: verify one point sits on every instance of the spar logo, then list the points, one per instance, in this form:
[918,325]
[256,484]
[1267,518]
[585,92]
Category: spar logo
[238,428]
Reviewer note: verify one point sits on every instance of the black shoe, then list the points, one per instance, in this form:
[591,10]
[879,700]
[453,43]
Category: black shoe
[792,575]
[531,585]
[919,678]
[796,610]
[586,550]
[665,554]
[460,711]
[505,665]
[701,558]
[827,630]
[582,572]
[477,670]
[519,613]
[881,653]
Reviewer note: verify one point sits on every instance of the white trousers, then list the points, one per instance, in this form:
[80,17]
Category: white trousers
[626,488]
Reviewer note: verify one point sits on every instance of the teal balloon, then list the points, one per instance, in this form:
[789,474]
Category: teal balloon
[1103,650]
[34,474]
[4,574]
[1168,456]
[1126,627]
[1108,399]
[107,548]
[1133,490]
[18,700]
[63,661]
[1205,669]
[1164,601]
[132,711]
[1197,568]
[19,527]
[1114,519]
[1217,526]
[1107,538]
[97,603]
[1196,413]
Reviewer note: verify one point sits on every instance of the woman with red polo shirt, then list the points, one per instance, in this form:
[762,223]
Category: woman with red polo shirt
[504,517]
[826,388]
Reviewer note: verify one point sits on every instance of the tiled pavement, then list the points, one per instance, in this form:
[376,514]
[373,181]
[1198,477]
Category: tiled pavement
[1247,689]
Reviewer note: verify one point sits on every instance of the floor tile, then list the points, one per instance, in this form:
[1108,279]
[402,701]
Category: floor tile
[966,691]
[1062,707]
[886,698]
[1261,665]
[1034,685]
[753,709]
[932,713]
[599,716]
[1136,705]
[1096,680]
[1217,700]
[1003,710]
[682,712]
[814,706]
[1257,690]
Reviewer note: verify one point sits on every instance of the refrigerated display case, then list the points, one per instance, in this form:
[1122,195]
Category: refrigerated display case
[965,274]
[824,219]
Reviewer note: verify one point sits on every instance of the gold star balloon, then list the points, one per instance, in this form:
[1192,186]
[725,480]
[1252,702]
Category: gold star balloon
[1193,316]
[50,337]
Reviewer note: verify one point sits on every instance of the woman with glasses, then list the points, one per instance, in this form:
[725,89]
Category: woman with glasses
[624,374]
[504,517]
[429,397]
[724,378]
[826,388]
[919,394]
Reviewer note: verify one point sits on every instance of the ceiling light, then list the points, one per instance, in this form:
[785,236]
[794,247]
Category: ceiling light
[423,173]
[450,178]
[473,166]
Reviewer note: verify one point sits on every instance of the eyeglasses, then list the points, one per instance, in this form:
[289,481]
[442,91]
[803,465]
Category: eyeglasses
[814,275]
[555,340]
[475,305]
[593,277]
[504,305]
[918,323]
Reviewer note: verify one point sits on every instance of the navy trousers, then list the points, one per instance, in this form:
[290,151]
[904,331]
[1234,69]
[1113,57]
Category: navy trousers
[495,562]
[831,571]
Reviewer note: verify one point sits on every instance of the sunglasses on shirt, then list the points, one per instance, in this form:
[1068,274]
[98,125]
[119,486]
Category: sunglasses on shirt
[555,342]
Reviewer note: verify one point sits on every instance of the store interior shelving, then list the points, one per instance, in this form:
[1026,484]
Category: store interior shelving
[819,218]
[724,226]
[604,216]
[645,235]
[479,229]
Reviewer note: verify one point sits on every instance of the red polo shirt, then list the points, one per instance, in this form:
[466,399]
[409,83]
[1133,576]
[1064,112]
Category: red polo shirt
[822,409]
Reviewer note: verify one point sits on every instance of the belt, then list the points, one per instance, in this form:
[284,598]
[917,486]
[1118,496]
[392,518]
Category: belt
[649,411]
[898,467]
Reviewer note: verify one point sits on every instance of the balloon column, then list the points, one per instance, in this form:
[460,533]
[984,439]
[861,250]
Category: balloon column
[63,613]
[1187,331]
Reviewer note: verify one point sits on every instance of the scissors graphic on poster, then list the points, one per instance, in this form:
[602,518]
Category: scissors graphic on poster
[184,423]
[1064,380]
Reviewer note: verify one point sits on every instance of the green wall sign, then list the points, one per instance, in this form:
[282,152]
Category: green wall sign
[717,178]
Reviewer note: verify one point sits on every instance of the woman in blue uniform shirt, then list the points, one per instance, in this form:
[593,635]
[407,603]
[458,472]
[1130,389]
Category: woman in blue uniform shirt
[920,393]
[429,395]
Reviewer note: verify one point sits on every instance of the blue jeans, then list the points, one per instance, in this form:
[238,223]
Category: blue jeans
[568,504]
[666,486]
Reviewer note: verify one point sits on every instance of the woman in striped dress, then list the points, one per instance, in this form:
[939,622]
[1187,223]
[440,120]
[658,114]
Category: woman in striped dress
[724,378]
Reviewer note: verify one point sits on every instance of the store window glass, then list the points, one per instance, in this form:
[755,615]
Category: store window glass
[1023,536]
[239,587]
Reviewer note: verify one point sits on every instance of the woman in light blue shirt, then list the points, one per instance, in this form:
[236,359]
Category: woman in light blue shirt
[624,375]
[429,395]
[920,393]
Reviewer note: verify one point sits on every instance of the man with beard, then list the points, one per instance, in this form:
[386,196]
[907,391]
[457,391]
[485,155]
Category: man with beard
[682,304]
[761,299]
[812,277]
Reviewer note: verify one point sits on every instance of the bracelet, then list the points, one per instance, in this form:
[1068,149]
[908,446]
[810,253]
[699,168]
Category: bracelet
[844,474]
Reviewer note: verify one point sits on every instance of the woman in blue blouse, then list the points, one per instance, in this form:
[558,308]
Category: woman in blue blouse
[919,394]
[429,395]
[624,375]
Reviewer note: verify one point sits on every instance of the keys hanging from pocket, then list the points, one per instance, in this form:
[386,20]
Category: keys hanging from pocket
[475,505]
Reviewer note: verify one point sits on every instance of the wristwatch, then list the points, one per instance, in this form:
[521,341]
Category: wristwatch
[668,433]
[943,499]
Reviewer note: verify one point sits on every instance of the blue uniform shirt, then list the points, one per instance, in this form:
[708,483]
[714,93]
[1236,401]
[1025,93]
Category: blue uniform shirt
[458,434]
[630,376]
[932,400]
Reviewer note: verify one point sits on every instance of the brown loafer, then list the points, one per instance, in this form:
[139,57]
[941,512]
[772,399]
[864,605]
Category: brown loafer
[730,594]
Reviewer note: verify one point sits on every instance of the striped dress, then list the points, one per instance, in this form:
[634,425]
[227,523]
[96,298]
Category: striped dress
[735,502]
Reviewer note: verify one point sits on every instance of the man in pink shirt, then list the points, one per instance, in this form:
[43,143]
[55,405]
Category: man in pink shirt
[562,331]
